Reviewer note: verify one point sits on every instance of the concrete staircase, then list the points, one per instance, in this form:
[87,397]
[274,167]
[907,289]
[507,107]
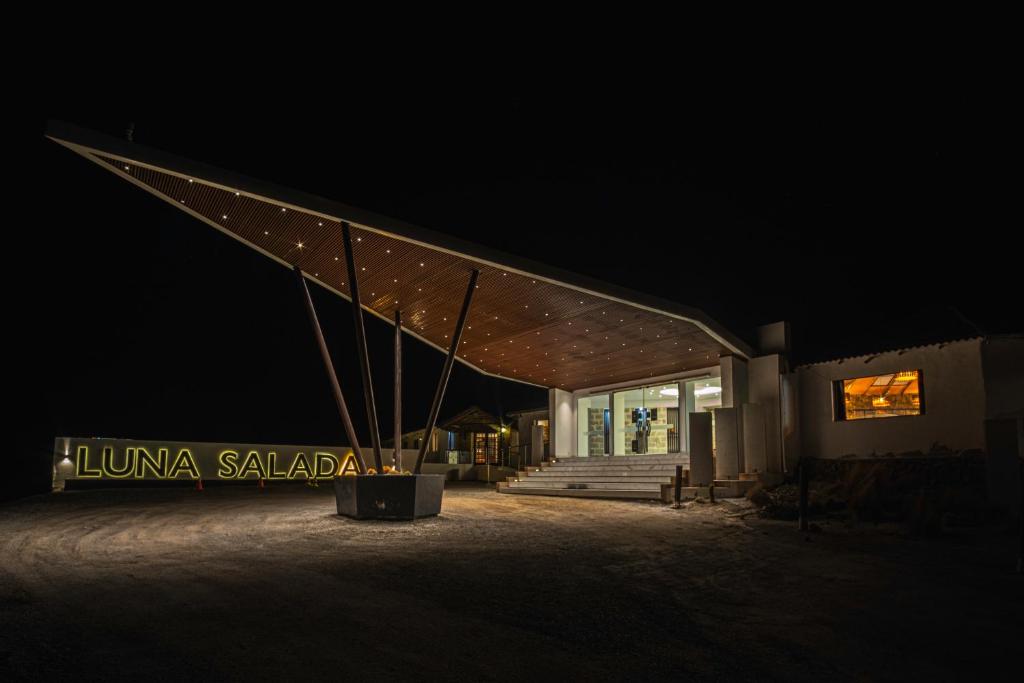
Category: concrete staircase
[646,477]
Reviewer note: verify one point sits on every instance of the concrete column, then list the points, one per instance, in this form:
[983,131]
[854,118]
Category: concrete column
[562,427]
[753,438]
[728,443]
[765,389]
[701,461]
[734,381]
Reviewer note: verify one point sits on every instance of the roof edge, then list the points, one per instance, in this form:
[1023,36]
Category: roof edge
[872,354]
[108,144]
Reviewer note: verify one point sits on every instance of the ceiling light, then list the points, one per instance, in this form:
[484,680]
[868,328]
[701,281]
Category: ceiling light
[707,391]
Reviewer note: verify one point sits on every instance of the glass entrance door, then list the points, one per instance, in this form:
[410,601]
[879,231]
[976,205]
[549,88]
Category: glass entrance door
[647,420]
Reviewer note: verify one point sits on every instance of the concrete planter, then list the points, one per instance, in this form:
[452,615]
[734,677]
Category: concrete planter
[389,496]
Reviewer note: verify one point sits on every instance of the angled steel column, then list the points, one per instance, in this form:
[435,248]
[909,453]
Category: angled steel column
[364,358]
[339,398]
[398,390]
[446,372]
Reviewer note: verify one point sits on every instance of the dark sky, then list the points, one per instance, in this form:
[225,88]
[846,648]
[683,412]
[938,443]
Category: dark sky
[864,215]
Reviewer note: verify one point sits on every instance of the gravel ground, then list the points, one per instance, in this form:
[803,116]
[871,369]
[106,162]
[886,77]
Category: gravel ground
[231,584]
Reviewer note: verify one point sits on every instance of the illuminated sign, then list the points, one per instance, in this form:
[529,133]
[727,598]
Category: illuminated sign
[126,459]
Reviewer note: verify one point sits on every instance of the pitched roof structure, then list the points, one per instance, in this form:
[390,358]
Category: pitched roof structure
[529,322]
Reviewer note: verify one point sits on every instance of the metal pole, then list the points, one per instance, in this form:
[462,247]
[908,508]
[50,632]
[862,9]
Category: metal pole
[442,382]
[1020,551]
[802,468]
[364,357]
[339,398]
[677,488]
[398,390]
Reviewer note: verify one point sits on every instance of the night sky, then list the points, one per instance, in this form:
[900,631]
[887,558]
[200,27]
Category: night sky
[867,222]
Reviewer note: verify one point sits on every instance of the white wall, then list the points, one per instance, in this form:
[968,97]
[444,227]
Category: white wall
[765,390]
[734,381]
[954,403]
[562,429]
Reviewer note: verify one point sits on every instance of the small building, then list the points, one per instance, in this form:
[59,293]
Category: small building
[471,437]
[529,439]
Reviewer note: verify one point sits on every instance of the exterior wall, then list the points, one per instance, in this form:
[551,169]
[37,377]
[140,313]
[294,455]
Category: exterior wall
[1003,364]
[954,403]
[789,421]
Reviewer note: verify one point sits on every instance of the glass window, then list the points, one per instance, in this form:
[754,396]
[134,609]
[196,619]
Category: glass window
[485,448]
[647,420]
[889,395]
[626,404]
[593,417]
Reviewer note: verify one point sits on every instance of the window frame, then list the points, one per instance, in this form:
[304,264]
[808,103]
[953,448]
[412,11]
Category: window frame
[839,397]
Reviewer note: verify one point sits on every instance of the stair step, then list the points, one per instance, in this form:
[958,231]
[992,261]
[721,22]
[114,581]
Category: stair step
[623,459]
[617,468]
[568,486]
[610,478]
[584,493]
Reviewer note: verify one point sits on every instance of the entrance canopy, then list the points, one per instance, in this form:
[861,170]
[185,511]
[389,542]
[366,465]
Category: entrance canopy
[529,322]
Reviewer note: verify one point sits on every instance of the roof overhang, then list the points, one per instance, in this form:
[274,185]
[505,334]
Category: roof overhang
[529,322]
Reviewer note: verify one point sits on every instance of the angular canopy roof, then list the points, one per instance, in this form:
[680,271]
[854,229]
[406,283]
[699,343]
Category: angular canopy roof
[529,322]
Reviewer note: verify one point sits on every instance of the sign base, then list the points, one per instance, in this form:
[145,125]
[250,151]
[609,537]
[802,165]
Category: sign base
[389,496]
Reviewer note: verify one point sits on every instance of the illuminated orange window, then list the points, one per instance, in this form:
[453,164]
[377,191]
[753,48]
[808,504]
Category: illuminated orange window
[890,395]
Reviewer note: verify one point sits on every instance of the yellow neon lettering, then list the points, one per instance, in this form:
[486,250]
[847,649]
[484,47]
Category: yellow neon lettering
[108,463]
[144,460]
[326,465]
[272,467]
[252,463]
[300,463]
[228,461]
[184,461]
[349,466]
[82,465]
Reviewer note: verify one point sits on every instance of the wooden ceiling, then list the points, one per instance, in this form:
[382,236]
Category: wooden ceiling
[521,326]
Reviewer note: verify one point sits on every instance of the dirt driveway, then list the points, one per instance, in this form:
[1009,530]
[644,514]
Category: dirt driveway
[231,584]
